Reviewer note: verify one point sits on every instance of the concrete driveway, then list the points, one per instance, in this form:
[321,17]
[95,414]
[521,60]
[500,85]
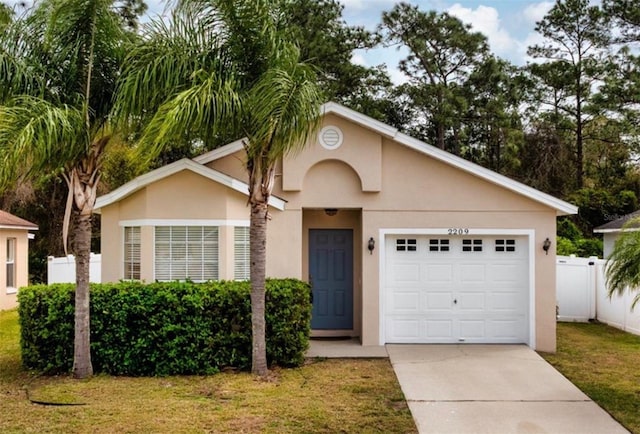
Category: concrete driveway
[492,389]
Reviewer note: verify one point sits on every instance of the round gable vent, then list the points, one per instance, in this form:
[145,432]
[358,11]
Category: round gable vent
[330,137]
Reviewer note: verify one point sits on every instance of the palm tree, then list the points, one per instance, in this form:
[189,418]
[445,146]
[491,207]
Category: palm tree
[225,68]
[623,266]
[58,68]
[6,15]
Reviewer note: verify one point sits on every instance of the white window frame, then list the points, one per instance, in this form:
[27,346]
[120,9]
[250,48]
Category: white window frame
[197,253]
[132,252]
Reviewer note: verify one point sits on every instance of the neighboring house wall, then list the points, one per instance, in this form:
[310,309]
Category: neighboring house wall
[608,241]
[20,266]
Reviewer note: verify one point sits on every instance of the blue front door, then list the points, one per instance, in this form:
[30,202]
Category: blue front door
[331,274]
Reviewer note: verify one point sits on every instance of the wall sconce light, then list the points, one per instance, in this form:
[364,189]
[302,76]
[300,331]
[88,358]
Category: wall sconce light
[371,245]
[545,246]
[331,211]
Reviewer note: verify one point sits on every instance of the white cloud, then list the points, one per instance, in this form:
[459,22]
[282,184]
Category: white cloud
[367,4]
[358,59]
[533,38]
[397,76]
[536,11]
[486,20]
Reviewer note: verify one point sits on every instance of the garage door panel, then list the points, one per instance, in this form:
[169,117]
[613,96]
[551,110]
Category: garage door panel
[507,301]
[473,273]
[507,272]
[404,273]
[444,296]
[438,301]
[504,329]
[438,273]
[472,329]
[404,329]
[439,329]
[408,302]
[471,301]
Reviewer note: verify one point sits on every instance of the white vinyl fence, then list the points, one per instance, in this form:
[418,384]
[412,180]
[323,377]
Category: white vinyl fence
[63,270]
[581,295]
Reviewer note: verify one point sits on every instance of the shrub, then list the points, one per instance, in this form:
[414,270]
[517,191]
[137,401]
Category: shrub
[164,328]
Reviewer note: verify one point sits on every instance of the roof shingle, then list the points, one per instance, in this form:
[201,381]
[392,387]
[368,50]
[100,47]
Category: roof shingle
[10,220]
[618,224]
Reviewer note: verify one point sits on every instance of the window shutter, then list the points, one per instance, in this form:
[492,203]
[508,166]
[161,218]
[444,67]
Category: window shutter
[132,253]
[11,263]
[163,253]
[210,251]
[241,253]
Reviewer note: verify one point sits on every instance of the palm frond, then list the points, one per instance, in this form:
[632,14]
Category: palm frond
[284,110]
[36,135]
[163,64]
[18,44]
[623,265]
[201,111]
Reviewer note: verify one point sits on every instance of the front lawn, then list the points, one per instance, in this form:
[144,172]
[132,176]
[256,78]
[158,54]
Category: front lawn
[604,363]
[322,396]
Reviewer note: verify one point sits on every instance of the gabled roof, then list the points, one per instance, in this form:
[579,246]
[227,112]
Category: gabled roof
[618,225]
[10,221]
[561,207]
[171,169]
[220,152]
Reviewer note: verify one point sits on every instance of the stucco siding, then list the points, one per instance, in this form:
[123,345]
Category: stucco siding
[608,241]
[8,296]
[543,223]
[233,165]
[178,198]
[376,185]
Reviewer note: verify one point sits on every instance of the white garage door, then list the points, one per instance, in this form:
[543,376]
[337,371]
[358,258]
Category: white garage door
[441,289]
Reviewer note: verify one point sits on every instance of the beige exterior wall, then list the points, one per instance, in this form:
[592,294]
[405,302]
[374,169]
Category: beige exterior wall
[8,295]
[376,184]
[178,198]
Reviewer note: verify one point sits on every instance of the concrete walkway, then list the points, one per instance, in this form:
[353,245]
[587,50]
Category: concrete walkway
[492,389]
[344,349]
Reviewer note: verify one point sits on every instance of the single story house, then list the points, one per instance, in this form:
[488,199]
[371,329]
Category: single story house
[611,230]
[14,253]
[402,242]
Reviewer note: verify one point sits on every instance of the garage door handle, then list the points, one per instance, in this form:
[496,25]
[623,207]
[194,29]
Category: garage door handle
[455,301]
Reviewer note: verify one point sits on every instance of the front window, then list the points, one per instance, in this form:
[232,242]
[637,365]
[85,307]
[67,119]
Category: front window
[186,253]
[132,253]
[11,262]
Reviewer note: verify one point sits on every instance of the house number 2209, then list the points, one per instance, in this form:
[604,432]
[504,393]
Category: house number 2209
[458,231]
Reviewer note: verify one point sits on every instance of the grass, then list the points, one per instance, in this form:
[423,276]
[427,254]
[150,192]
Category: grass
[323,396]
[604,363]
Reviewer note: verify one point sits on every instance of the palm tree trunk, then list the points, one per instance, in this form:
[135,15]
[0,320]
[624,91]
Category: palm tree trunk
[258,252]
[83,184]
[82,367]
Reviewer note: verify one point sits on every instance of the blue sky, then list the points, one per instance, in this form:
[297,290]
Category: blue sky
[508,24]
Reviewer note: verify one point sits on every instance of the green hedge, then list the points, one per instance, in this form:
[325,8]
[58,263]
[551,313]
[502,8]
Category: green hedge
[164,328]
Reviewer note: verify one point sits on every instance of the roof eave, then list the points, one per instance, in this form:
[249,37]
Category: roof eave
[171,169]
